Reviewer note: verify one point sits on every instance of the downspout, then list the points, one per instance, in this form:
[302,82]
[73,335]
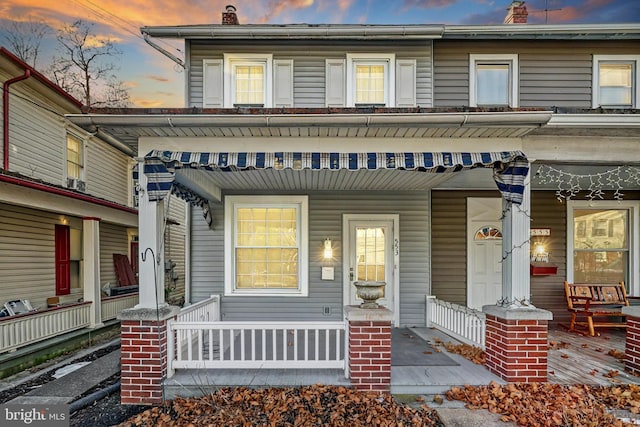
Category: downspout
[5,116]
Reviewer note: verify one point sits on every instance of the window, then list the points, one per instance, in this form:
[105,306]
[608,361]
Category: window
[369,78]
[75,157]
[266,245]
[615,81]
[247,80]
[601,248]
[493,80]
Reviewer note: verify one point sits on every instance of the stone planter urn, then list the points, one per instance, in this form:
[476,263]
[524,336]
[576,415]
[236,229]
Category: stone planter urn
[369,292]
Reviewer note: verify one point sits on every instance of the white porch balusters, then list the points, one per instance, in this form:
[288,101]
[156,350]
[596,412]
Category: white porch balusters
[91,268]
[151,257]
[516,225]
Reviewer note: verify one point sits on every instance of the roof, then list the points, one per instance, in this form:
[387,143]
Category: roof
[39,76]
[395,32]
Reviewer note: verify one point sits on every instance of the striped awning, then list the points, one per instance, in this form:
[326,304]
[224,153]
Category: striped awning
[510,167]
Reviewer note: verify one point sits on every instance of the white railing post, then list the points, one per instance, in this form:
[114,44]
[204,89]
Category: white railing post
[171,343]
[429,309]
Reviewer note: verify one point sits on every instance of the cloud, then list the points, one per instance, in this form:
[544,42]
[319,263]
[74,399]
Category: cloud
[147,103]
[424,4]
[157,78]
[278,7]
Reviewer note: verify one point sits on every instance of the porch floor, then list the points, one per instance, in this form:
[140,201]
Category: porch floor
[573,359]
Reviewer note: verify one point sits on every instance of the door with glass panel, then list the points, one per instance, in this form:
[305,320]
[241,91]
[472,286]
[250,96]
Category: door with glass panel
[370,257]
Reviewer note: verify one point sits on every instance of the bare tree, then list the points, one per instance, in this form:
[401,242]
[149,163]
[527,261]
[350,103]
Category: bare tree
[84,68]
[24,38]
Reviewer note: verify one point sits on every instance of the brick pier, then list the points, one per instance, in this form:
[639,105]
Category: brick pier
[632,342]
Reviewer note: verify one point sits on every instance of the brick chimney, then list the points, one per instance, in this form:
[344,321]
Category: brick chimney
[516,13]
[229,16]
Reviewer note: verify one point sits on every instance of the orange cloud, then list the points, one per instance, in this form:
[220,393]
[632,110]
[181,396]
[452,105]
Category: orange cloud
[407,4]
[147,103]
[157,78]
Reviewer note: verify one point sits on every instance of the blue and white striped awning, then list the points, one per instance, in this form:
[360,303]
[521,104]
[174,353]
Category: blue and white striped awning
[510,167]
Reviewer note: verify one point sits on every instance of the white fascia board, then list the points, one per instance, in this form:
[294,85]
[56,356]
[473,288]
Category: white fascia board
[594,120]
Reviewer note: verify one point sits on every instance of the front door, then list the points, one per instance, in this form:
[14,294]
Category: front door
[484,249]
[371,254]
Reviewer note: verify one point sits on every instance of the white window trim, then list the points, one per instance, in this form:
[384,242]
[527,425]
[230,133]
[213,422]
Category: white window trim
[247,58]
[511,59]
[635,59]
[390,81]
[634,242]
[230,205]
[83,142]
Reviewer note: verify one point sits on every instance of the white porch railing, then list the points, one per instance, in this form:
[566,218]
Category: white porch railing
[28,328]
[463,323]
[284,345]
[111,306]
[204,311]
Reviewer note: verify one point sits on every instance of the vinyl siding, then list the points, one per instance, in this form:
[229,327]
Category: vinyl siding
[552,73]
[449,243]
[309,65]
[27,254]
[325,220]
[113,240]
[107,172]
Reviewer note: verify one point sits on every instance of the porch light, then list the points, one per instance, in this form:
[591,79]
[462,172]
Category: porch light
[540,253]
[328,250]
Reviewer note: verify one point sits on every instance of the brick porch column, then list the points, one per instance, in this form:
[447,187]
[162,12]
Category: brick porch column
[143,354]
[632,342]
[369,351]
[517,343]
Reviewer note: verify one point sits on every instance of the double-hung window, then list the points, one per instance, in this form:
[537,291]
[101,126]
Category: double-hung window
[370,80]
[247,80]
[493,80]
[75,157]
[616,81]
[266,245]
[601,247]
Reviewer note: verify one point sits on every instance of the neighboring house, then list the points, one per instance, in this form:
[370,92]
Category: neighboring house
[66,208]
[405,150]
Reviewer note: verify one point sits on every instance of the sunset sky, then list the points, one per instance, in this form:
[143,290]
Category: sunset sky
[154,80]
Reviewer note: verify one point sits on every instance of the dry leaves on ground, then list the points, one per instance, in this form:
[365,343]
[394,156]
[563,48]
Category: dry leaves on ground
[469,352]
[299,406]
[534,405]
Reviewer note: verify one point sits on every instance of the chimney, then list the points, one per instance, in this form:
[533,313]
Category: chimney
[516,13]
[229,16]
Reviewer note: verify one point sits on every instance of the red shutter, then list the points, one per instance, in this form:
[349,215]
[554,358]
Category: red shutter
[63,260]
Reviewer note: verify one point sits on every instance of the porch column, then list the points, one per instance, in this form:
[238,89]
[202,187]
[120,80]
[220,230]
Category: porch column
[91,269]
[151,256]
[517,343]
[369,347]
[516,257]
[632,342]
[143,354]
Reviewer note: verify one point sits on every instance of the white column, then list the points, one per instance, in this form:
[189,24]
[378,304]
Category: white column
[150,258]
[516,224]
[91,269]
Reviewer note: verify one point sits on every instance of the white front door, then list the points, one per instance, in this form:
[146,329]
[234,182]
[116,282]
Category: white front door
[484,249]
[371,254]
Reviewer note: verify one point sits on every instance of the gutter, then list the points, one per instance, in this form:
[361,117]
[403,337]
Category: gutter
[288,32]
[5,116]
[532,119]
[595,120]
[67,193]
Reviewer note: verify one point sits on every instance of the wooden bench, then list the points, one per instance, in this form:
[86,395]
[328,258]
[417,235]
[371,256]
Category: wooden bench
[596,305]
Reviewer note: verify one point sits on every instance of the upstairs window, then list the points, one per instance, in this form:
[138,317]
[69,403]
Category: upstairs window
[75,157]
[369,80]
[247,80]
[615,81]
[493,80]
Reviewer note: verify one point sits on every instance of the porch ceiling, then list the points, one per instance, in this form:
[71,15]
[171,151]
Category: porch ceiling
[126,129]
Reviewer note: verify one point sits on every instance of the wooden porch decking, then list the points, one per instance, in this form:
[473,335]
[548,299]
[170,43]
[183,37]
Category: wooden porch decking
[573,359]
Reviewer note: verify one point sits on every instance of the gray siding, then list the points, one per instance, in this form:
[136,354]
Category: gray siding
[113,240]
[325,219]
[552,73]
[309,66]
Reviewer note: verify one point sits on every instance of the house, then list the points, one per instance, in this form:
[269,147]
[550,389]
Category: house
[66,208]
[434,158]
